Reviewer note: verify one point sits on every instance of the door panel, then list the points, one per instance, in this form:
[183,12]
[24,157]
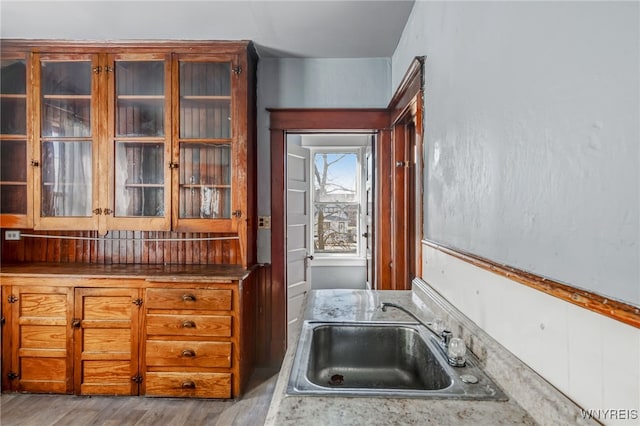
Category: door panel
[298,281]
[106,342]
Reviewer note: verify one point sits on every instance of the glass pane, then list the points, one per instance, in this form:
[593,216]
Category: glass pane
[139,179]
[205,181]
[205,79]
[66,178]
[335,177]
[70,118]
[140,98]
[140,118]
[13,199]
[66,78]
[13,77]
[140,78]
[13,158]
[13,116]
[335,228]
[205,100]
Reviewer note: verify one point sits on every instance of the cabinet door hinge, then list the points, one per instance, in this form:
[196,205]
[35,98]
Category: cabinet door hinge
[137,379]
[97,70]
[237,70]
[137,302]
[35,163]
[12,299]
[3,321]
[404,164]
[173,165]
[108,69]
[12,375]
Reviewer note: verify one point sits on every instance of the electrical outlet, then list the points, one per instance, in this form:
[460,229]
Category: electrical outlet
[264,222]
[12,235]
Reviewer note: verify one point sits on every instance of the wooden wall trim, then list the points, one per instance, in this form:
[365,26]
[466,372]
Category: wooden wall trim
[620,311]
[339,120]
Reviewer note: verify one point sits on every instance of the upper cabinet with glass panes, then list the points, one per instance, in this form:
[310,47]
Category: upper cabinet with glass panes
[206,194]
[15,174]
[128,137]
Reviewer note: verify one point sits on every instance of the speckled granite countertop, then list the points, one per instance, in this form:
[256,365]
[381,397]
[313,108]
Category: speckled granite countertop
[362,305]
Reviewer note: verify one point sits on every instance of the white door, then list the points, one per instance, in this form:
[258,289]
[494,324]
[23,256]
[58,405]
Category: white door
[298,280]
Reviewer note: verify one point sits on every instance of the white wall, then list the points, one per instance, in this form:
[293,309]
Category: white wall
[531,157]
[592,359]
[311,83]
[532,133]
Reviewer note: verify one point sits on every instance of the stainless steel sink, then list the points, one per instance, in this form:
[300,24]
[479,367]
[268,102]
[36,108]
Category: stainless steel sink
[381,359]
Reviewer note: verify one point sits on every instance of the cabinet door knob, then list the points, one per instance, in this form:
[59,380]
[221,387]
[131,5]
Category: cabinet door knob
[189,297]
[188,324]
[188,353]
[189,384]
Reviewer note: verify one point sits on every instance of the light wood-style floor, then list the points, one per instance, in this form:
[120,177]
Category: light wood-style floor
[67,410]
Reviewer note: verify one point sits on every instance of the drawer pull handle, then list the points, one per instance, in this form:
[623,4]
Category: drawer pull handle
[188,353]
[188,385]
[188,324]
[189,297]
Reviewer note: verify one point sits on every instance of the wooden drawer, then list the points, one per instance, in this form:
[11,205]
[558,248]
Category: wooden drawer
[189,325]
[164,298]
[188,353]
[199,385]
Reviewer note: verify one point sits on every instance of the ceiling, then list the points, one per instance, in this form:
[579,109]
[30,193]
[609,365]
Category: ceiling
[302,28]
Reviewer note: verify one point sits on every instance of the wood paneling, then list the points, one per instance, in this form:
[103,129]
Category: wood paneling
[121,247]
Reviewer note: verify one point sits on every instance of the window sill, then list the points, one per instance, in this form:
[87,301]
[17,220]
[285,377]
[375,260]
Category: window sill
[337,261]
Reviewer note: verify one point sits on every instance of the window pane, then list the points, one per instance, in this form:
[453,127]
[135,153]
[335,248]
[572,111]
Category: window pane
[335,177]
[336,202]
[66,118]
[139,179]
[66,179]
[13,116]
[66,78]
[336,228]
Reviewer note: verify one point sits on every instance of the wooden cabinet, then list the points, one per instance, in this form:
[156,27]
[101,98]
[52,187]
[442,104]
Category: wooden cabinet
[151,137]
[145,335]
[106,341]
[188,342]
[15,145]
[37,330]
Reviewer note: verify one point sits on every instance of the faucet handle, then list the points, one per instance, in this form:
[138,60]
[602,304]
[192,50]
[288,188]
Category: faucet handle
[446,337]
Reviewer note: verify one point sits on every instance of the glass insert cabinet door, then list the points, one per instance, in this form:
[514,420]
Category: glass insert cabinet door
[139,144]
[206,145]
[67,139]
[14,172]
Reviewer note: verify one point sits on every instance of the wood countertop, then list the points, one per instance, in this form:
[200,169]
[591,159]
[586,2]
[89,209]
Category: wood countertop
[150,273]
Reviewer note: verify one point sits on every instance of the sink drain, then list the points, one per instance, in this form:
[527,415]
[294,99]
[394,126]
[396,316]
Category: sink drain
[336,380]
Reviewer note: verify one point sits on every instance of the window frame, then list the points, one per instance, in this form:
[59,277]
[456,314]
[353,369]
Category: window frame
[341,259]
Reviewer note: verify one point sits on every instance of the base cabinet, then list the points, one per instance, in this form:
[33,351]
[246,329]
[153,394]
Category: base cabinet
[188,341]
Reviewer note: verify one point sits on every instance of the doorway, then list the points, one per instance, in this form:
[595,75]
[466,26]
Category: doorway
[329,213]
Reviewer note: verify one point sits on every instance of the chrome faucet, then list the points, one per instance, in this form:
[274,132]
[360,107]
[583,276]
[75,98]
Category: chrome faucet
[443,337]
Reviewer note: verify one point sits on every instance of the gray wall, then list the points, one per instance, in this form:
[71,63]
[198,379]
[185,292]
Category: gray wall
[311,83]
[532,135]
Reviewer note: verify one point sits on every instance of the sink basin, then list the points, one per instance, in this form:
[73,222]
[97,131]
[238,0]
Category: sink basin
[373,357]
[381,359]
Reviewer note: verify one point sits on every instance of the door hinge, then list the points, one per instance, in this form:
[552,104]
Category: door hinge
[97,211]
[3,321]
[137,302]
[403,164]
[35,163]
[12,375]
[12,299]
[237,70]
[237,213]
[108,69]
[173,165]
[137,379]
[97,70]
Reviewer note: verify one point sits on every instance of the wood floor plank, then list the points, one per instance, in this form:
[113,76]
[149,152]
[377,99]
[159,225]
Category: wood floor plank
[69,410]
